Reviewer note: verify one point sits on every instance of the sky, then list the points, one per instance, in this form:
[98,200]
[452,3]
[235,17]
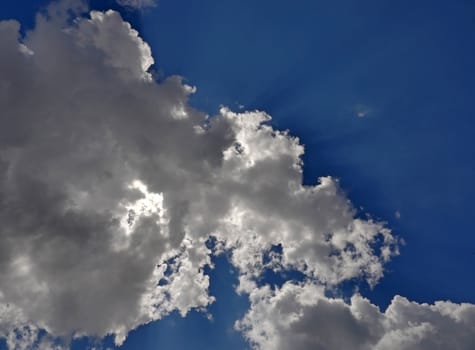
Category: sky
[150,196]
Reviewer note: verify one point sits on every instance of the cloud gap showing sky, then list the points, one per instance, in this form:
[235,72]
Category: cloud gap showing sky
[112,184]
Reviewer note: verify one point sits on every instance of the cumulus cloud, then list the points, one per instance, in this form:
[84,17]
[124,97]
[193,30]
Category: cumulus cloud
[95,179]
[111,185]
[302,317]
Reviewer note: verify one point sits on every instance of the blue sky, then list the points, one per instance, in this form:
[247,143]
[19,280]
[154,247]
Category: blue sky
[312,66]
[381,95]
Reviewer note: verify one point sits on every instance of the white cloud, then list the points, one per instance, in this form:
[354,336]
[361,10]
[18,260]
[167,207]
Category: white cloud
[301,317]
[123,49]
[111,184]
[362,111]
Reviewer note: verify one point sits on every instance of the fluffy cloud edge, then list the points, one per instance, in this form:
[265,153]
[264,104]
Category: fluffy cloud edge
[302,317]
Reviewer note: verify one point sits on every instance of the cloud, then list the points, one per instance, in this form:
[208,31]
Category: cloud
[111,185]
[301,317]
[83,124]
[362,111]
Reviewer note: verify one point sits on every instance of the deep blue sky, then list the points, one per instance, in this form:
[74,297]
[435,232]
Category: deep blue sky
[313,65]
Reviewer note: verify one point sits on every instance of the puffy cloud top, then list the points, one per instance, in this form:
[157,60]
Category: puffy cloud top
[301,317]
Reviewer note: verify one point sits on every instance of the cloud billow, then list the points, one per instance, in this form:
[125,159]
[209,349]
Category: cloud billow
[111,184]
[301,317]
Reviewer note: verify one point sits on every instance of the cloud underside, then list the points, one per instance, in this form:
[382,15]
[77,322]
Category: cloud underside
[111,185]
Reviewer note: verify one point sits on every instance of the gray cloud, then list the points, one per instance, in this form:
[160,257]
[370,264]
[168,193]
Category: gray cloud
[301,317]
[82,122]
